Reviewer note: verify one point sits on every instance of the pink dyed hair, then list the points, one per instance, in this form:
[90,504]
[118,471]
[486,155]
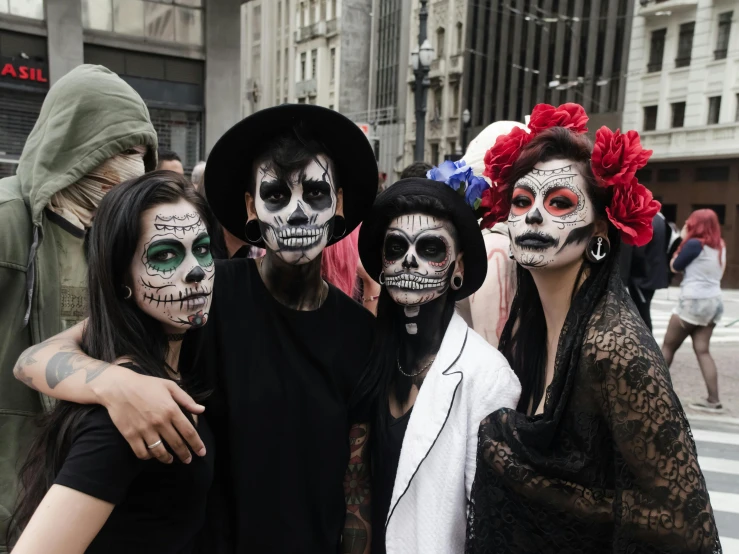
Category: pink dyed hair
[339,263]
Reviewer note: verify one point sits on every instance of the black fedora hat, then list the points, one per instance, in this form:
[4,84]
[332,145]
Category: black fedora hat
[229,166]
[372,234]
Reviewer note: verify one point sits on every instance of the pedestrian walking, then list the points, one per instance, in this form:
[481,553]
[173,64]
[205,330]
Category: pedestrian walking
[702,260]
[650,268]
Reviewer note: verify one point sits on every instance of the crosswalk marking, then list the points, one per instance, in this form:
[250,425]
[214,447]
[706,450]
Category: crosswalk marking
[729,545]
[724,501]
[716,436]
[719,465]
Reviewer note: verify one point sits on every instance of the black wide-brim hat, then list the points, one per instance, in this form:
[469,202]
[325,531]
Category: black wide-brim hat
[372,234]
[229,166]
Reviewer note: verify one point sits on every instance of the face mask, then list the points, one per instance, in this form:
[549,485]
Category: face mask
[173,269]
[418,254]
[296,215]
[551,217]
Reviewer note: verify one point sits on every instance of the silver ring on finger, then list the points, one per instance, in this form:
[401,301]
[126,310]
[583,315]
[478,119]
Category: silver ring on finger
[150,446]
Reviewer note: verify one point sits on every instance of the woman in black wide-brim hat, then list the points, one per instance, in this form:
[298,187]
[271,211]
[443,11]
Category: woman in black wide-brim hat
[430,379]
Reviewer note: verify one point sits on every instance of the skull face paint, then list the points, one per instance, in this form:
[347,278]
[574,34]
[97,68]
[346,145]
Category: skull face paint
[296,215]
[173,270]
[418,255]
[551,217]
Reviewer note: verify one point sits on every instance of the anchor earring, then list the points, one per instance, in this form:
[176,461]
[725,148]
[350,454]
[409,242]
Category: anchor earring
[598,249]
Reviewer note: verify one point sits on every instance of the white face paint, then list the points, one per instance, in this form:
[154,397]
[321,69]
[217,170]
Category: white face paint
[551,217]
[173,269]
[418,254]
[296,217]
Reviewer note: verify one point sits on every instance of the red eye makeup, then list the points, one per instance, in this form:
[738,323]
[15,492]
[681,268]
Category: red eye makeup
[522,201]
[560,202]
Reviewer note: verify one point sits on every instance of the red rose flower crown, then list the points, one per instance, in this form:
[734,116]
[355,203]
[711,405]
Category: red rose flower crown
[615,160]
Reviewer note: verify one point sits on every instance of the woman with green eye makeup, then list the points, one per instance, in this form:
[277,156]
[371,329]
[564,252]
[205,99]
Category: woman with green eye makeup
[150,278]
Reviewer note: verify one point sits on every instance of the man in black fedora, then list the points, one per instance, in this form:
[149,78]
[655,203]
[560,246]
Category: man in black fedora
[285,348]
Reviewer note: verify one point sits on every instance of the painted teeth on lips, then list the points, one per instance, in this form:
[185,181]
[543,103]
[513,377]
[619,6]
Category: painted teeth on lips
[413,282]
[299,232]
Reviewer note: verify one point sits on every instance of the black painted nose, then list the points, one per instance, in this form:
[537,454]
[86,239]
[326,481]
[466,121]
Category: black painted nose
[410,262]
[298,217]
[196,275]
[534,216]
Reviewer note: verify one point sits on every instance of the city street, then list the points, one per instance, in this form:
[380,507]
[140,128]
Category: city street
[716,437]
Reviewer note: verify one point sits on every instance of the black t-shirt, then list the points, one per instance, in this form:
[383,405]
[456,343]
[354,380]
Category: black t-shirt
[159,508]
[280,410]
[385,458]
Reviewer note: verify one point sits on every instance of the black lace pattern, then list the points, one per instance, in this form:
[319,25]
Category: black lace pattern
[610,466]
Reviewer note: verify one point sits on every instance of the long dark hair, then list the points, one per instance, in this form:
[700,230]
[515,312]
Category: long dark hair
[116,327]
[524,338]
[381,375]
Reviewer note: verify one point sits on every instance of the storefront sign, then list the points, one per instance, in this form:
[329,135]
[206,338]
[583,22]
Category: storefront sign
[24,71]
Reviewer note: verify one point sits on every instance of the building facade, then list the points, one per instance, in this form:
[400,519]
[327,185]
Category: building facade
[169,52]
[683,97]
[446,28]
[520,53]
[305,51]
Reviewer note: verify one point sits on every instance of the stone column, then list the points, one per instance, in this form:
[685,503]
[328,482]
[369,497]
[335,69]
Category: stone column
[222,68]
[64,27]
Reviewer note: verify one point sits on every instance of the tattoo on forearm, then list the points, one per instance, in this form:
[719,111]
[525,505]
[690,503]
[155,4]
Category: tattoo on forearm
[357,493]
[64,364]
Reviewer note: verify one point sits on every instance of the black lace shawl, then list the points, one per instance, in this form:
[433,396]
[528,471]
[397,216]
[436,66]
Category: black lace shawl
[610,466]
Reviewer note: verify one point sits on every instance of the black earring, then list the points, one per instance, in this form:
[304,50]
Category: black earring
[510,253]
[598,249]
[340,224]
[457,281]
[251,226]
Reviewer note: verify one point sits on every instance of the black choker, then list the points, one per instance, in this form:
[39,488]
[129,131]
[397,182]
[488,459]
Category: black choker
[175,338]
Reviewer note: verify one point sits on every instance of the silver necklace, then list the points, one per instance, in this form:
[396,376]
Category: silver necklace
[424,368]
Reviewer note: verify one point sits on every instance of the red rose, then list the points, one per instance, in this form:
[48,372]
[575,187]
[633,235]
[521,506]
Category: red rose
[631,211]
[616,157]
[570,116]
[495,205]
[500,158]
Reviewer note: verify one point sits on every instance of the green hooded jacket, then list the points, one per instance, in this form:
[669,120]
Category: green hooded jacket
[90,115]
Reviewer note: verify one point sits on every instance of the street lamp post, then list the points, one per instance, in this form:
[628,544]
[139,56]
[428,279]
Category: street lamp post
[421,58]
[466,118]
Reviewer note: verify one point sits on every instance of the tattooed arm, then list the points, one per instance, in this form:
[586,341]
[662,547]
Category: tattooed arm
[357,489]
[144,409]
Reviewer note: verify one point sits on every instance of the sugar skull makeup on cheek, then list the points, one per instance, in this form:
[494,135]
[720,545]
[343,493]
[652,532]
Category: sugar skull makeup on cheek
[296,214]
[418,255]
[173,270]
[551,217]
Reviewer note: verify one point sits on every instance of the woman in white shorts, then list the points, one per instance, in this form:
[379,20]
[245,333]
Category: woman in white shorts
[702,260]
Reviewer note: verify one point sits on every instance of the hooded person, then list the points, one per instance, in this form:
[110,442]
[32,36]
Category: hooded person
[93,132]
[486,311]
[285,348]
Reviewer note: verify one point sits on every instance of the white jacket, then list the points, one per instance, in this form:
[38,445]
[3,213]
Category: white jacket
[468,380]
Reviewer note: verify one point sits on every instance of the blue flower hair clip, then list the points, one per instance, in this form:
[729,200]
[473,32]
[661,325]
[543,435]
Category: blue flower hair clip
[460,177]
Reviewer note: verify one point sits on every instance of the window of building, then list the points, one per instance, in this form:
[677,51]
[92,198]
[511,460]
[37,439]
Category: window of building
[279,14]
[644,175]
[303,62]
[678,114]
[685,44]
[712,173]
[455,100]
[324,15]
[669,211]
[333,64]
[460,37]
[668,175]
[334,12]
[313,14]
[714,109]
[656,50]
[440,40]
[650,118]
[720,210]
[279,65]
[301,100]
[313,63]
[434,153]
[722,40]
[736,115]
[452,152]
[33,9]
[438,100]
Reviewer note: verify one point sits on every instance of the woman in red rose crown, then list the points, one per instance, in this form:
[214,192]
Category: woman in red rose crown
[598,455]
